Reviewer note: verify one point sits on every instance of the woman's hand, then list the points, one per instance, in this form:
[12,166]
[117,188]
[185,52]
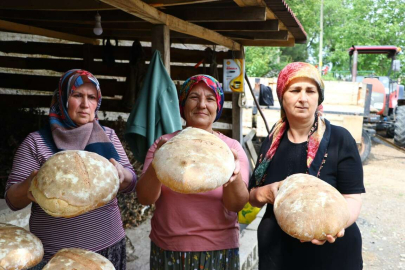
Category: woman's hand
[124,175]
[28,183]
[260,196]
[19,195]
[331,239]
[236,170]
[235,194]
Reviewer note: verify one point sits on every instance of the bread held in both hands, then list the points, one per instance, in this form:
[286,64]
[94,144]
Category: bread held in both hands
[78,259]
[19,249]
[308,208]
[194,161]
[72,182]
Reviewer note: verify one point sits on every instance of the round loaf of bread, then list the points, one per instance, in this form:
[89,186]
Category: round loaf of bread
[78,259]
[19,249]
[194,161]
[308,208]
[72,182]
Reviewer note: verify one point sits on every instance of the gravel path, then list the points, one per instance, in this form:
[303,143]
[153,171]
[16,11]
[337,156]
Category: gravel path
[382,218]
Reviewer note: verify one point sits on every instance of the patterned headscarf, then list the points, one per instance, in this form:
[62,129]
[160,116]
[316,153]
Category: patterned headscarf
[65,134]
[211,82]
[68,83]
[318,137]
[299,70]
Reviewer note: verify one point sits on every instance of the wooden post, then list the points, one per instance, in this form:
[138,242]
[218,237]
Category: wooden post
[161,42]
[236,109]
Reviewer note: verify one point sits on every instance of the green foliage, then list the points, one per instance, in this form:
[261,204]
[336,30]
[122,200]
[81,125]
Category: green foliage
[346,23]
[261,60]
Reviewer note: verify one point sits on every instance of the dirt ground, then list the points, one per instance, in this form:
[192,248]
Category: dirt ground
[382,218]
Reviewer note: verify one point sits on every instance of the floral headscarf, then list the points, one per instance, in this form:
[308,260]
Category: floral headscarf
[211,82]
[318,137]
[299,70]
[68,83]
[66,134]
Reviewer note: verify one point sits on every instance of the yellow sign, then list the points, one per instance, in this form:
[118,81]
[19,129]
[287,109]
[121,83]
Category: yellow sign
[234,75]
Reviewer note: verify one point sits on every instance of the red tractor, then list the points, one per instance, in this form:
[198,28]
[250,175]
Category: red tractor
[385,101]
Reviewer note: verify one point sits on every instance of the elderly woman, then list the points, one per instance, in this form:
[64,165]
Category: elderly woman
[73,126]
[304,142]
[196,231]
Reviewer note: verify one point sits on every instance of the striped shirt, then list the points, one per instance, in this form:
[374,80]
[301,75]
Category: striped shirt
[95,230]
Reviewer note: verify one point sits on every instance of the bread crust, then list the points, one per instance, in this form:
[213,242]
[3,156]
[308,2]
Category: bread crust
[78,259]
[194,161]
[19,249]
[308,208]
[72,182]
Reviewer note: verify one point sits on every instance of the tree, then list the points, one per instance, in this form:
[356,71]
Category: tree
[346,23]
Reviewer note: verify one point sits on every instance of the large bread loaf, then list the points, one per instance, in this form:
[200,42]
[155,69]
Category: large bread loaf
[78,259]
[308,208]
[194,161]
[19,249]
[72,182]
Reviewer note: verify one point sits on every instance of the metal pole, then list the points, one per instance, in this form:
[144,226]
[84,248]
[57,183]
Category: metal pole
[257,104]
[321,40]
[354,68]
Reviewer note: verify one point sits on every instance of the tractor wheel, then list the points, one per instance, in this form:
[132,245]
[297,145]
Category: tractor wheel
[399,137]
[390,132]
[365,146]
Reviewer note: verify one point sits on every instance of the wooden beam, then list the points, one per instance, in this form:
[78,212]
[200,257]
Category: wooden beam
[26,29]
[147,35]
[76,51]
[233,14]
[84,17]
[280,35]
[257,3]
[270,25]
[144,26]
[167,3]
[62,65]
[230,14]
[110,87]
[152,15]
[161,42]
[268,43]
[52,5]
[260,3]
[112,105]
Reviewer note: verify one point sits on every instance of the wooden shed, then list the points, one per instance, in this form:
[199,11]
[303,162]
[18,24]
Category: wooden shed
[222,26]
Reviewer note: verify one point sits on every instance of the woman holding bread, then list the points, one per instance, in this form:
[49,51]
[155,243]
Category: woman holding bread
[73,126]
[302,141]
[200,230]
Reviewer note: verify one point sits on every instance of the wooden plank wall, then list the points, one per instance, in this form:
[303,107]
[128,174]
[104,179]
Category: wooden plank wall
[25,60]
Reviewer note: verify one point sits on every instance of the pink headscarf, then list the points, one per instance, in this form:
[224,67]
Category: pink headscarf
[299,70]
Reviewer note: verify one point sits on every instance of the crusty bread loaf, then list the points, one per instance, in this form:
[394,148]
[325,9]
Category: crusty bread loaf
[308,208]
[72,182]
[78,259]
[19,249]
[194,161]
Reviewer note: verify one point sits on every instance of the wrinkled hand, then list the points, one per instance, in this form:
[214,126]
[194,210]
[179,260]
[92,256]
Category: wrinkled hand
[120,170]
[331,239]
[237,168]
[271,191]
[27,182]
